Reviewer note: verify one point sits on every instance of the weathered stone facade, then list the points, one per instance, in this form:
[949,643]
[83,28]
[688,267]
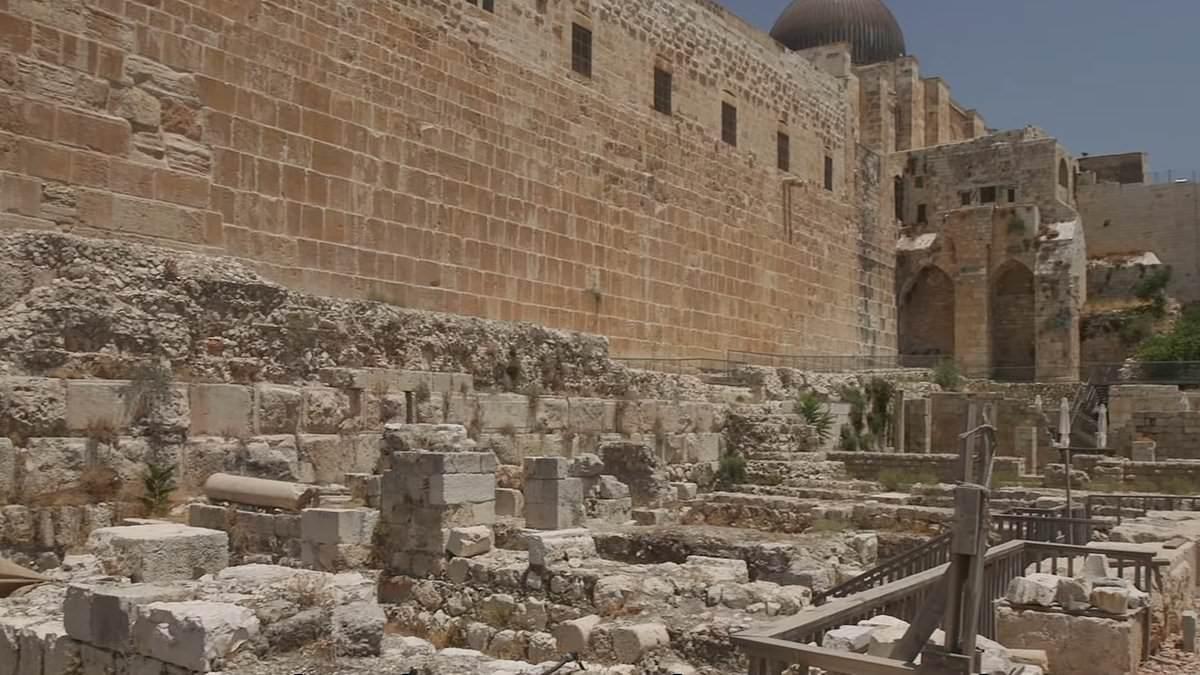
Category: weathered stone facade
[439,156]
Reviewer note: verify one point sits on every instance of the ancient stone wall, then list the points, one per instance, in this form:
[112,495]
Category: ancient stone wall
[908,469]
[439,156]
[1163,219]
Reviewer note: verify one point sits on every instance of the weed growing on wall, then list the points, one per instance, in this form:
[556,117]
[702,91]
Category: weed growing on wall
[816,413]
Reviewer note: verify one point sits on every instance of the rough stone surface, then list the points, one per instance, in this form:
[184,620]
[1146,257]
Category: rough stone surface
[630,643]
[194,635]
[549,548]
[160,552]
[358,629]
[467,542]
[1035,589]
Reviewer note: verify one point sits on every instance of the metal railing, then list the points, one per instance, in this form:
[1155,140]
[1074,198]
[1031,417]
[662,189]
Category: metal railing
[836,363]
[771,650]
[1136,506]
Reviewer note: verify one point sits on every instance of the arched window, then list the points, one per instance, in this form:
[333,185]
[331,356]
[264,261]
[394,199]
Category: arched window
[1064,174]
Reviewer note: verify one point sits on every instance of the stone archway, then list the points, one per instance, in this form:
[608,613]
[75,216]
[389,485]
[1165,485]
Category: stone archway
[927,315]
[1013,324]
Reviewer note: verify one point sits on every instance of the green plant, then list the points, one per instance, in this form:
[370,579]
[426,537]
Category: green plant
[817,414]
[1152,284]
[947,376]
[422,393]
[158,483]
[732,469]
[1182,343]
[1134,330]
[848,440]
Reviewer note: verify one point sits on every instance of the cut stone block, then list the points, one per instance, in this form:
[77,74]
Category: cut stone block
[337,526]
[651,516]
[194,635]
[1073,594]
[468,542]
[587,465]
[630,643]
[510,503]
[207,516]
[553,504]
[574,636]
[547,468]
[161,552]
[36,648]
[221,410]
[719,570]
[849,638]
[434,438]
[548,548]
[1095,566]
[104,616]
[462,489]
[1110,599]
[278,409]
[92,401]
[334,557]
[685,492]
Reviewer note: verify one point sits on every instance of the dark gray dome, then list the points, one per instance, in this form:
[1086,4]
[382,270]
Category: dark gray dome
[868,25]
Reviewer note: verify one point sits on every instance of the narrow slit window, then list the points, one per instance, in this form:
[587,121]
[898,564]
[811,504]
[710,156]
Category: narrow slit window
[581,50]
[1012,195]
[662,91]
[729,127]
[965,197]
[828,173]
[922,214]
[784,145]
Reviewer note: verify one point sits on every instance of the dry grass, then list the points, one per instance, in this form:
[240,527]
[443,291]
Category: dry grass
[309,591]
[103,430]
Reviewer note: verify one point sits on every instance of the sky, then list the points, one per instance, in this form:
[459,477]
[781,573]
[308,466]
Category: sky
[1103,76]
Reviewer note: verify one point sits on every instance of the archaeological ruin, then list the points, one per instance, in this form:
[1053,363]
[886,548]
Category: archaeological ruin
[604,337]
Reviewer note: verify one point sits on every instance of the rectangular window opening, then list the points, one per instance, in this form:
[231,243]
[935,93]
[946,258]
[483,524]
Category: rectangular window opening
[829,173]
[581,50]
[922,214]
[965,197]
[784,145]
[662,91]
[729,126]
[489,5]
[987,195]
[1012,195]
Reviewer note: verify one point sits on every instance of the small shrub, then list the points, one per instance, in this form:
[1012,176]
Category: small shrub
[309,591]
[509,430]
[158,483]
[422,393]
[1153,284]
[947,376]
[99,483]
[816,413]
[848,440]
[732,469]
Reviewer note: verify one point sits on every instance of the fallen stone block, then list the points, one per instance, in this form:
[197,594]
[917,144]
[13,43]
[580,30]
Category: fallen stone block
[468,542]
[1035,589]
[1095,566]
[719,570]
[651,516]
[1073,594]
[609,487]
[548,548]
[104,616]
[194,635]
[685,492]
[883,640]
[206,516]
[610,510]
[298,630]
[849,638]
[464,488]
[509,503]
[586,465]
[574,636]
[630,643]
[358,629]
[160,552]
[1110,599]
[1030,657]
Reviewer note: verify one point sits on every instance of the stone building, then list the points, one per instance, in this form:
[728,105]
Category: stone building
[658,172]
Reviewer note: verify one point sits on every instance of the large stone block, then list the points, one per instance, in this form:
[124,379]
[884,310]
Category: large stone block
[326,410]
[547,468]
[8,471]
[45,648]
[338,526]
[510,503]
[194,635]
[702,447]
[449,489]
[221,410]
[467,542]
[554,504]
[53,465]
[92,402]
[504,412]
[327,459]
[591,415]
[277,409]
[548,548]
[358,629]
[160,552]
[32,406]
[104,615]
[575,636]
[434,438]
[269,457]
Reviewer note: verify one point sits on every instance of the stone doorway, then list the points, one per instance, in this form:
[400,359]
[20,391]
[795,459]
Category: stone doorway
[927,316]
[1014,351]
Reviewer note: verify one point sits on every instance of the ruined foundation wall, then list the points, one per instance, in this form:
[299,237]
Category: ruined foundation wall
[442,157]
